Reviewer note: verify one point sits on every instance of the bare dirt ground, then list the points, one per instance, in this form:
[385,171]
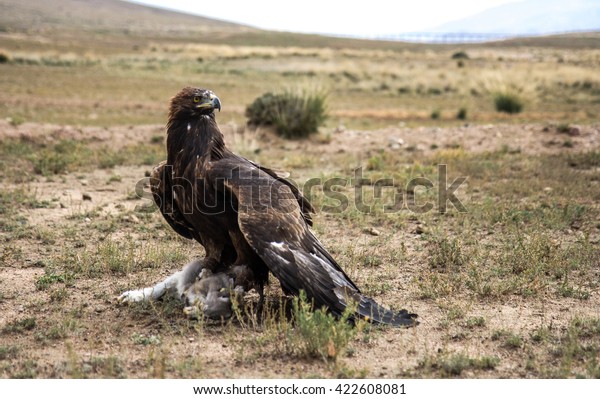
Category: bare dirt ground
[63,269]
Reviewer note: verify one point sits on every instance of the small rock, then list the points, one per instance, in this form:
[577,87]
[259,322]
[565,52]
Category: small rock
[134,219]
[147,173]
[547,189]
[87,220]
[574,131]
[86,197]
[83,182]
[419,230]
[62,206]
[395,140]
[395,146]
[373,231]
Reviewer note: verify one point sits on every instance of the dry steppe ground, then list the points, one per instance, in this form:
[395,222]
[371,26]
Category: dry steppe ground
[509,288]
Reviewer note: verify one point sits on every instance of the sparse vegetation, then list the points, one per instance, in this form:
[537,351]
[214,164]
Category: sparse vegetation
[18,326]
[454,365]
[8,352]
[447,254]
[316,332]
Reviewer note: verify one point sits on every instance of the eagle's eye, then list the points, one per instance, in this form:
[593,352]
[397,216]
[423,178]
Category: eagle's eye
[196,99]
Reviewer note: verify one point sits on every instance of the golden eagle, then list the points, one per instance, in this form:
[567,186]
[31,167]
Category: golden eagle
[250,221]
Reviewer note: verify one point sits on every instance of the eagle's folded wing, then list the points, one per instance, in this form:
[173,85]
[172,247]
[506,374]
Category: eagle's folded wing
[162,192]
[271,219]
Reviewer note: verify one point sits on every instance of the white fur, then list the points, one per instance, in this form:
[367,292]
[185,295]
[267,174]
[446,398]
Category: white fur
[176,284]
[151,293]
[182,284]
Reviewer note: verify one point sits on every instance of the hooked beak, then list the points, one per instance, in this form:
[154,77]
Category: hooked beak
[212,102]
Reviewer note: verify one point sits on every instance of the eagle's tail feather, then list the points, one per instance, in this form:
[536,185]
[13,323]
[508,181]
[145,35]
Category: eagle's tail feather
[371,311]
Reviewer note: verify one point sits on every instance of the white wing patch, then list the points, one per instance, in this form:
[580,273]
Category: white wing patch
[277,244]
[336,275]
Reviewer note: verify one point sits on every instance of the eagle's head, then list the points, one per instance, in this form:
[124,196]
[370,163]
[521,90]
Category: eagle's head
[194,102]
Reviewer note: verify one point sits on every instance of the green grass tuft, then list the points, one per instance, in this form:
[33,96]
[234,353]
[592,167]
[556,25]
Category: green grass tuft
[318,333]
[18,326]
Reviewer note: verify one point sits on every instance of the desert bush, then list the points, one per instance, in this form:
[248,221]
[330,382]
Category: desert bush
[508,102]
[460,55]
[435,114]
[461,114]
[4,58]
[293,115]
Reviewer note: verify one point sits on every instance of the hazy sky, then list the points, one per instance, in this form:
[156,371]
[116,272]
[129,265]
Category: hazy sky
[350,17]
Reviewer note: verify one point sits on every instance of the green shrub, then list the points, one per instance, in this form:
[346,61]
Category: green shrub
[508,102]
[317,332]
[292,115]
[461,114]
[4,58]
[435,114]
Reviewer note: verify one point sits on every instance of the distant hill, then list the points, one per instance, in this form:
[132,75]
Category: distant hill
[101,16]
[531,17]
[113,26]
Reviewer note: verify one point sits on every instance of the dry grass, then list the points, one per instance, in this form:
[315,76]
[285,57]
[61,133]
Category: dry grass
[365,85]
